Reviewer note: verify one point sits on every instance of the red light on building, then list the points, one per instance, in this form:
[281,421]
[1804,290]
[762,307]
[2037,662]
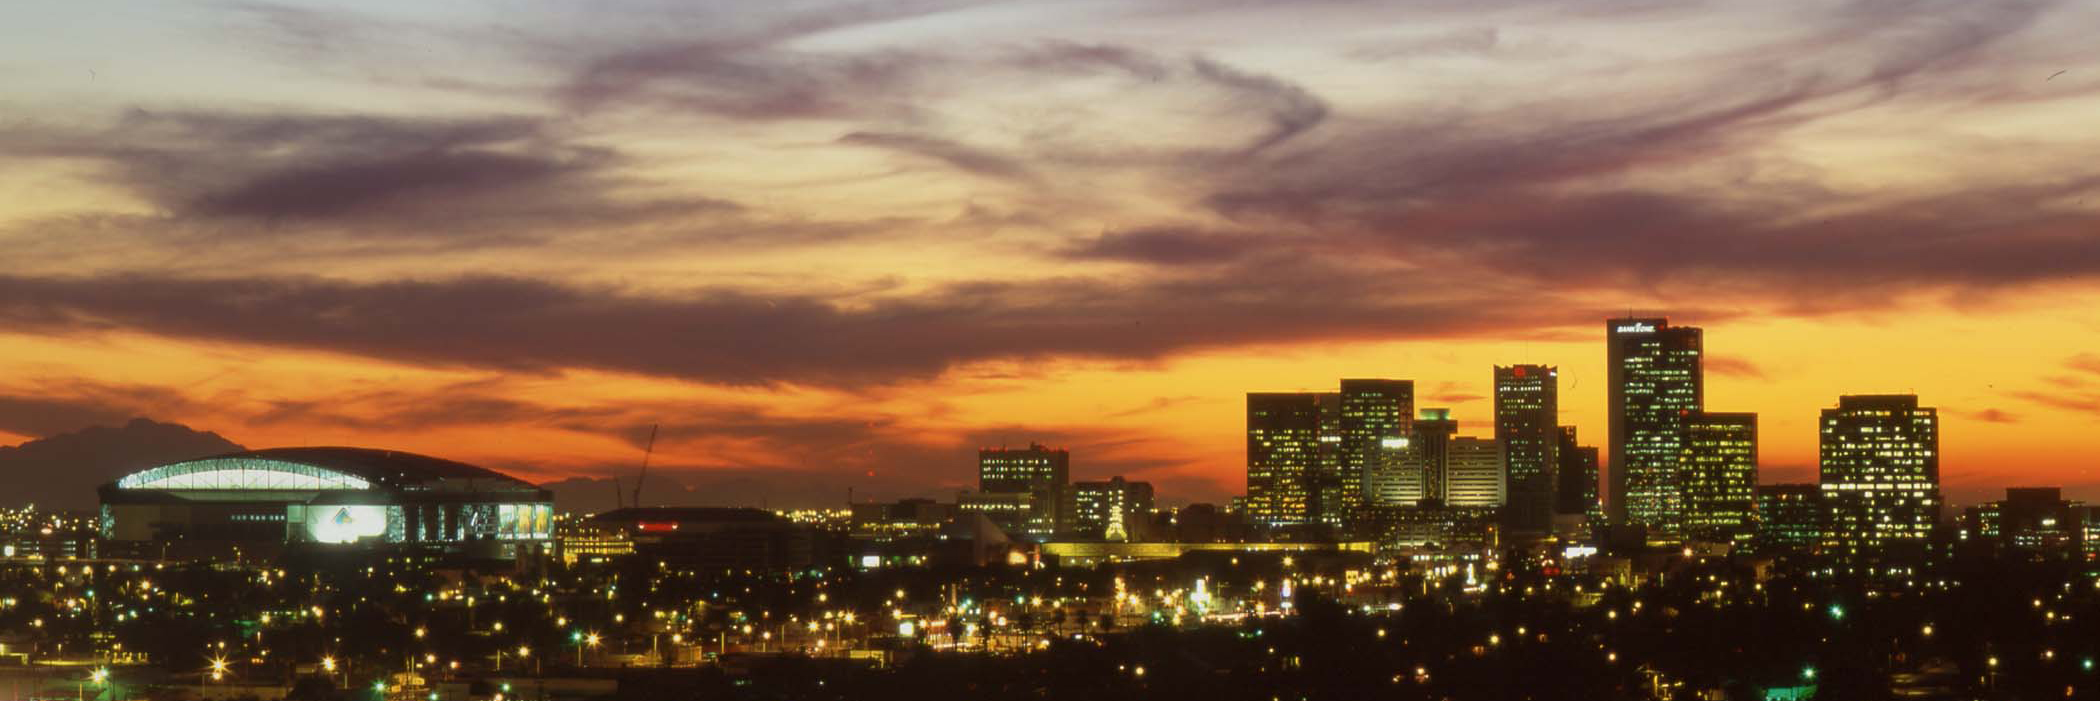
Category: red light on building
[656,526]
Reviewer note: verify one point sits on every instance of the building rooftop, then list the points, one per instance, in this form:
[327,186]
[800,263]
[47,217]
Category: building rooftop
[687,514]
[324,467]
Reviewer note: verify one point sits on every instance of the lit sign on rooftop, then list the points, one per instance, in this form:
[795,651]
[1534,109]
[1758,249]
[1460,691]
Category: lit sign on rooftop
[1636,327]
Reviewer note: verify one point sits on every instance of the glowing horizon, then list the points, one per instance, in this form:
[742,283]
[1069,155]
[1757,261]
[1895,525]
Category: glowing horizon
[849,243]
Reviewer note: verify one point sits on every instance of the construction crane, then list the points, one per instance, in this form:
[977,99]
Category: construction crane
[646,452]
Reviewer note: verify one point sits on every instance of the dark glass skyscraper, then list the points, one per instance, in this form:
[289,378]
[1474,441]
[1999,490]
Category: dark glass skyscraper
[1429,450]
[1654,379]
[1880,473]
[1577,489]
[1718,469]
[1283,453]
[1790,518]
[1527,416]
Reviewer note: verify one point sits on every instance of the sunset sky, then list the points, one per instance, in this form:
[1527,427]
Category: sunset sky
[845,244]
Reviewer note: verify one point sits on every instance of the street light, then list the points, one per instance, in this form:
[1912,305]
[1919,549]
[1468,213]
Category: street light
[99,676]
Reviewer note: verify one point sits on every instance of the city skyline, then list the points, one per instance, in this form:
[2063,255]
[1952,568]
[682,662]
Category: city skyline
[1331,407]
[848,245]
[1235,350]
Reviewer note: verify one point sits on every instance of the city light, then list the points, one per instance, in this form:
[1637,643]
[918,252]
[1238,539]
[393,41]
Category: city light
[1253,601]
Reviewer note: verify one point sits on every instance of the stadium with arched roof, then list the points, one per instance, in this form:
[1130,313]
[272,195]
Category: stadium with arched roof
[328,496]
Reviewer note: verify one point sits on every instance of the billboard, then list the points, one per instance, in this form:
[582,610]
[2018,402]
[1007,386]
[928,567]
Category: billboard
[344,523]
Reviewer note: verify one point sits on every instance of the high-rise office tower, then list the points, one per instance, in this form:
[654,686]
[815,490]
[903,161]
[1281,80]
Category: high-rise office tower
[1375,420]
[1006,470]
[1577,491]
[1327,491]
[1428,454]
[1415,470]
[1654,379]
[1024,486]
[1475,472]
[1284,451]
[1880,473]
[1527,416]
[1718,475]
[1789,517]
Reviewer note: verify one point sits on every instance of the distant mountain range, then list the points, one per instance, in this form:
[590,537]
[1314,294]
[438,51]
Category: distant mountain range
[61,472]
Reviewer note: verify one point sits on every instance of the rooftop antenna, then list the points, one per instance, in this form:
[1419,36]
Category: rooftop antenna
[617,504]
[646,452]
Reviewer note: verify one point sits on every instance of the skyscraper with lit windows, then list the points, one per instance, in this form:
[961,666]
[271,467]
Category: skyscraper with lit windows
[1654,378]
[1375,420]
[1419,472]
[1880,474]
[1718,473]
[1037,467]
[1283,453]
[1023,487]
[1527,416]
[1475,472]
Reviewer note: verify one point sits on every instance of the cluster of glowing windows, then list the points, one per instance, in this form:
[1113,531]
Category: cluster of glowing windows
[247,474]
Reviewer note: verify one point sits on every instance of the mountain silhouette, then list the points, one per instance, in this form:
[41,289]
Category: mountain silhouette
[61,472]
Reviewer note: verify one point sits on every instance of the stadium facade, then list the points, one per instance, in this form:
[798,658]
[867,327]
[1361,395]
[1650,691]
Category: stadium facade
[265,500]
